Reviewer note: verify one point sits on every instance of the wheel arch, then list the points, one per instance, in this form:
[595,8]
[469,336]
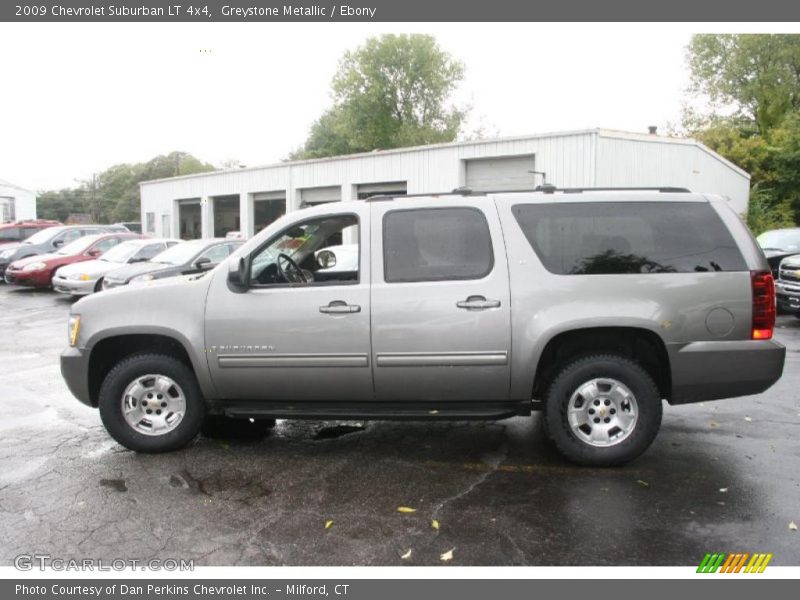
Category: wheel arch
[109,350]
[642,345]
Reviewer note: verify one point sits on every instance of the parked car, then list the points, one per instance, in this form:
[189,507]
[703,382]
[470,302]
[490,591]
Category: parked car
[186,258]
[46,241]
[133,226]
[22,230]
[86,277]
[37,271]
[777,244]
[787,286]
[591,306]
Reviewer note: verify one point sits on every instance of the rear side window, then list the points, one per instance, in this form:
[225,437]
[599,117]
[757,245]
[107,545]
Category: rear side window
[436,244]
[628,237]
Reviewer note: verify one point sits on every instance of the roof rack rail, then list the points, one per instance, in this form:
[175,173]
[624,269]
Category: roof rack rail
[663,190]
[547,188]
[459,191]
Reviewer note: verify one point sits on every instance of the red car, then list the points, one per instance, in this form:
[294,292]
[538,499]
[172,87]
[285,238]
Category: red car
[21,230]
[37,271]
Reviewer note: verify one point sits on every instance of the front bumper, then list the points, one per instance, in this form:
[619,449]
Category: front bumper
[75,371]
[788,296]
[73,287]
[27,278]
[724,369]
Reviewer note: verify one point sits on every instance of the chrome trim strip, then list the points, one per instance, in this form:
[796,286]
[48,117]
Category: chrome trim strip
[226,361]
[441,359]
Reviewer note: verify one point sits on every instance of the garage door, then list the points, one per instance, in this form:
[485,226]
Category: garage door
[317,195]
[501,173]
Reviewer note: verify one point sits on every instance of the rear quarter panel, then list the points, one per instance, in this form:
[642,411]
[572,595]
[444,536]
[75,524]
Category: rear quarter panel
[675,306]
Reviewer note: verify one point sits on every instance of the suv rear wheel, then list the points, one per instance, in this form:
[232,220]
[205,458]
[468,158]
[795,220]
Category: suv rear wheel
[151,403]
[602,410]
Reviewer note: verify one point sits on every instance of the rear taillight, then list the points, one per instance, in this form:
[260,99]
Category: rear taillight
[763,288]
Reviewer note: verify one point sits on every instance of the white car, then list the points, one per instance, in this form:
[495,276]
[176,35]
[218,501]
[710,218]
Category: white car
[335,259]
[83,278]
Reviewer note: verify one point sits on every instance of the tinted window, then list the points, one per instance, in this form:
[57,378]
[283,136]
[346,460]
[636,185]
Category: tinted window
[435,244]
[628,237]
[149,251]
[10,233]
[217,253]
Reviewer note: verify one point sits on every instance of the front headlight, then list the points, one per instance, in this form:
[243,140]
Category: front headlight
[73,329]
[35,266]
[79,277]
[142,278]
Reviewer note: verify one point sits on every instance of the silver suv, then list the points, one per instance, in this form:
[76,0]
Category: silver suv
[590,306]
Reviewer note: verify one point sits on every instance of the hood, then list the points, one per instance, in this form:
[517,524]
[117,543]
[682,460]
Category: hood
[13,246]
[793,262]
[93,268]
[38,258]
[127,272]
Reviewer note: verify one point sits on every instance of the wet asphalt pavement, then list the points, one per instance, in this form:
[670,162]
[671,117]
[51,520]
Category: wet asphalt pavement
[721,476]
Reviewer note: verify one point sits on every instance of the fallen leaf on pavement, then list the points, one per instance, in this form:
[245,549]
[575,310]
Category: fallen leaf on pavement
[641,482]
[748,419]
[447,555]
[407,555]
[406,509]
[328,523]
[723,490]
[435,524]
[793,526]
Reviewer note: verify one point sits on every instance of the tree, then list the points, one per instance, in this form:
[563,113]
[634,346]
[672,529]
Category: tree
[392,92]
[756,76]
[751,86]
[113,195]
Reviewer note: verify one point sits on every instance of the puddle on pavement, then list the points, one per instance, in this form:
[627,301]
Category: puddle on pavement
[337,431]
[118,485]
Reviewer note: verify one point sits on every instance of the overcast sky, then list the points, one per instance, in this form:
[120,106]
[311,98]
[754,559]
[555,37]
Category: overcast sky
[78,98]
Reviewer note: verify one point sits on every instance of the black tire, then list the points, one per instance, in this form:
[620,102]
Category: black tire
[571,378]
[138,365]
[98,287]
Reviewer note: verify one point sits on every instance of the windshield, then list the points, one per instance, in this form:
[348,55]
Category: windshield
[42,236]
[121,253]
[780,239]
[179,254]
[77,246]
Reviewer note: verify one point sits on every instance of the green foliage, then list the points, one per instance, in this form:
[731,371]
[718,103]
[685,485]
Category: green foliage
[113,195]
[392,92]
[756,75]
[764,213]
[754,81]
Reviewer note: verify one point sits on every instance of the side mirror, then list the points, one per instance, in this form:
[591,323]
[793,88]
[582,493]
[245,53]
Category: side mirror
[203,263]
[58,243]
[137,259]
[237,273]
[94,253]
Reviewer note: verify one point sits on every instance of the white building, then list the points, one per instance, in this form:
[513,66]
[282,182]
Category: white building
[16,203]
[248,199]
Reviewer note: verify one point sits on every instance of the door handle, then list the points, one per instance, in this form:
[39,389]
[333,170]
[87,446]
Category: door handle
[477,303]
[339,307]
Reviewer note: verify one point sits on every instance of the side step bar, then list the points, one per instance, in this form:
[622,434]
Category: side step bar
[375,410]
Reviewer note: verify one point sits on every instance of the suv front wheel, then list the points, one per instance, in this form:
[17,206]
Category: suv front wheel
[151,403]
[602,410]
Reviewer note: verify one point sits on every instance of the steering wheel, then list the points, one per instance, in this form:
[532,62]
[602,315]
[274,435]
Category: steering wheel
[292,273]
